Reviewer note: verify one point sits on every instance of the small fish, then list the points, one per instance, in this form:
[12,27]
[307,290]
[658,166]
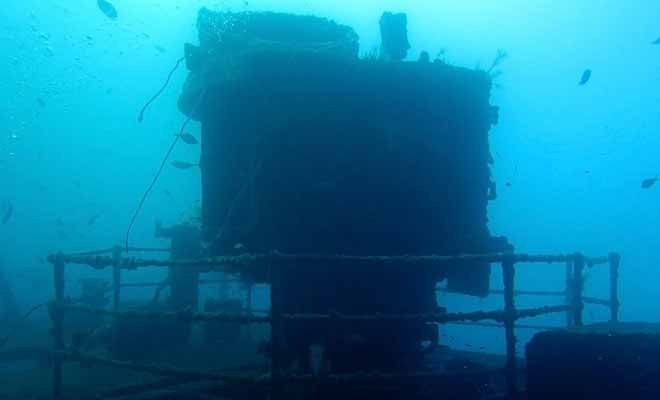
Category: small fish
[183,164]
[160,49]
[167,193]
[647,183]
[59,222]
[586,75]
[188,138]
[656,41]
[8,213]
[93,219]
[41,102]
[107,8]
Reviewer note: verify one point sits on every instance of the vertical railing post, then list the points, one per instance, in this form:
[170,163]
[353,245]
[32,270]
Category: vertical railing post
[276,328]
[57,316]
[615,261]
[116,277]
[569,292]
[508,276]
[248,308]
[578,286]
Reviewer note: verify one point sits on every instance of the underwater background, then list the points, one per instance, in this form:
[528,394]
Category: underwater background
[569,158]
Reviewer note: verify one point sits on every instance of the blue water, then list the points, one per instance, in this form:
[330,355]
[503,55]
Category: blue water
[73,81]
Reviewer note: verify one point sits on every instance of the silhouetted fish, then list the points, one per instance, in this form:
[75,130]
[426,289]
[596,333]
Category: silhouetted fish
[41,102]
[656,41]
[92,220]
[647,183]
[188,138]
[183,164]
[107,8]
[586,75]
[8,213]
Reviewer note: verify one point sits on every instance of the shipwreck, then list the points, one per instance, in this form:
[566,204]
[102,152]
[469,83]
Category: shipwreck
[352,186]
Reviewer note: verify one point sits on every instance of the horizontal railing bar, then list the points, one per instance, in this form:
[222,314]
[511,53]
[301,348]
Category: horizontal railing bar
[248,260]
[593,261]
[111,249]
[516,292]
[440,318]
[131,390]
[183,316]
[158,284]
[142,285]
[357,377]
[498,325]
[594,300]
[153,369]
[149,249]
[93,252]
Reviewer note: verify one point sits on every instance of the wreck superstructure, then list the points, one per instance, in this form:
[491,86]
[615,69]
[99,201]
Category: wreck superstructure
[309,149]
[351,187]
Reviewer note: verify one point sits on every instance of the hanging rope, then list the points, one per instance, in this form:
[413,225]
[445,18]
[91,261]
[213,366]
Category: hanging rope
[160,169]
[16,326]
[158,93]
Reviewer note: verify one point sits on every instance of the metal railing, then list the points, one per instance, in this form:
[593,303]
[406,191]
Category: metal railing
[567,294]
[272,261]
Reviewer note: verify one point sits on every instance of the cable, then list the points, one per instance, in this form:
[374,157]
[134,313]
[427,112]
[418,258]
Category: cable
[158,93]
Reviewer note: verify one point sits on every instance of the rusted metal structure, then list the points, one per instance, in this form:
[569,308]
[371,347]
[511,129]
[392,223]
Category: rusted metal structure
[351,186]
[309,149]
[280,382]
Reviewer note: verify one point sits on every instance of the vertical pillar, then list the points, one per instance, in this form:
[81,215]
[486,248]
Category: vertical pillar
[508,275]
[57,315]
[578,285]
[615,260]
[116,277]
[569,292]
